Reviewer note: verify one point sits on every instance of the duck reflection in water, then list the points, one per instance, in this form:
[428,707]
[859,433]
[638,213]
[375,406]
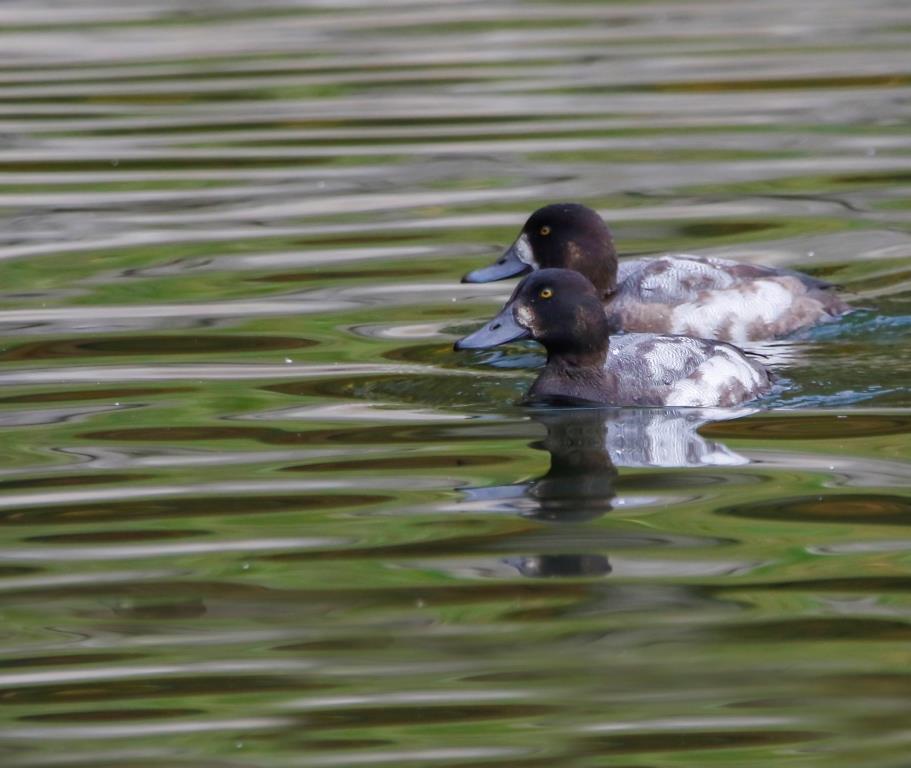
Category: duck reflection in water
[586,446]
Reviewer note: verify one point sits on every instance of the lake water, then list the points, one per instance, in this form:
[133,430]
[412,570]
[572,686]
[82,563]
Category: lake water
[256,513]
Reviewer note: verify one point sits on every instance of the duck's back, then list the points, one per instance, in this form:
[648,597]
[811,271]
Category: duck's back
[664,370]
[718,299]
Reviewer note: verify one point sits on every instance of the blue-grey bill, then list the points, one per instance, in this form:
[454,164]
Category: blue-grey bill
[508,265]
[501,330]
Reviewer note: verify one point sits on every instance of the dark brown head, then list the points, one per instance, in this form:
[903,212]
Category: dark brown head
[560,236]
[557,307]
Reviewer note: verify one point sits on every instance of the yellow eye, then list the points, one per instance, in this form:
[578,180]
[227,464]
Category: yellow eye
[545,230]
[546,293]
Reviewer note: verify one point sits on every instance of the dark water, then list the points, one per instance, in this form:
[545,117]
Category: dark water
[255,512]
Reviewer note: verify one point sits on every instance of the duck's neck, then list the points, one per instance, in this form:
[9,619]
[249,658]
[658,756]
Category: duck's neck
[596,258]
[576,374]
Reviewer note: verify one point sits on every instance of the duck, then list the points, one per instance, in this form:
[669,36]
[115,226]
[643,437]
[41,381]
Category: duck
[697,296]
[561,309]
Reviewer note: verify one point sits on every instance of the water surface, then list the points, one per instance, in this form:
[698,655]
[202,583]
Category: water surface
[255,512]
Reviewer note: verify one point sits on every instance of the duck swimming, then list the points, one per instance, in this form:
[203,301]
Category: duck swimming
[690,295]
[562,310]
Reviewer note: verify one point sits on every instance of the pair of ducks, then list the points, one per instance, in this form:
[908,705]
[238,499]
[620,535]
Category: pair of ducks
[677,315]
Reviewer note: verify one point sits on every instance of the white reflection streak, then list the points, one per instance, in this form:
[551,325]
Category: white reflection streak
[206,310]
[151,492]
[106,757]
[191,372]
[400,757]
[120,552]
[688,723]
[125,672]
[111,731]
[73,579]
[213,489]
[409,697]
[372,411]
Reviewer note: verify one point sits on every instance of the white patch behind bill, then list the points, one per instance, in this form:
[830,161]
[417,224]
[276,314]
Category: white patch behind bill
[525,252]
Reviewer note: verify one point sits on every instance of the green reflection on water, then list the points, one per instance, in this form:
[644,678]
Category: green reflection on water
[255,512]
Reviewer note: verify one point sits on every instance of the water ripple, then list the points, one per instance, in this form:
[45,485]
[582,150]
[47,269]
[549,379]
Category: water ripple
[254,509]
